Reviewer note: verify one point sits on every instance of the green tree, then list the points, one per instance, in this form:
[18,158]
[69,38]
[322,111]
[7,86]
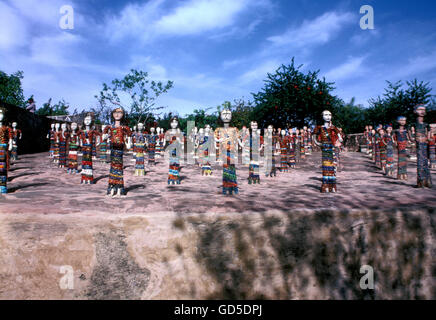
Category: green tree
[398,101]
[291,98]
[135,93]
[350,117]
[11,90]
[58,109]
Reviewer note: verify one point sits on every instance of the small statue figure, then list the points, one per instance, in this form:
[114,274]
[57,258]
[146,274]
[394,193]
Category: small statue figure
[5,147]
[204,157]
[432,145]
[389,151]
[401,140]
[103,146]
[73,147]
[382,149]
[174,138]
[422,135]
[87,139]
[284,151]
[51,136]
[327,137]
[152,142]
[291,149]
[61,139]
[56,143]
[226,138]
[412,152]
[16,135]
[139,141]
[120,137]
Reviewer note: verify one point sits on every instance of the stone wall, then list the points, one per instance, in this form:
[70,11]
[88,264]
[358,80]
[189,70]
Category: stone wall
[33,127]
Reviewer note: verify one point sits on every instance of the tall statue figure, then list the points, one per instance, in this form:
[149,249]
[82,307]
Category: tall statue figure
[61,139]
[389,151]
[432,145]
[139,141]
[256,144]
[16,135]
[120,137]
[87,139]
[270,143]
[327,137]
[422,134]
[73,147]
[5,147]
[175,139]
[227,138]
[401,140]
[51,137]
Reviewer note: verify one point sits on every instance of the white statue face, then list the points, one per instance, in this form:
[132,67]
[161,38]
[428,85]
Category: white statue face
[87,121]
[283,132]
[304,128]
[152,129]
[64,126]
[14,124]
[270,129]
[195,129]
[327,116]
[421,111]
[74,126]
[57,126]
[226,116]
[158,130]
[174,124]
[118,114]
[254,126]
[2,116]
[201,131]
[140,126]
[52,125]
[206,130]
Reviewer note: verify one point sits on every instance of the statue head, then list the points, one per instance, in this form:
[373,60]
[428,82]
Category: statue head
[158,130]
[389,128]
[2,114]
[270,129]
[327,116]
[57,125]
[140,126]
[174,122]
[64,126]
[253,126]
[52,126]
[433,128]
[118,114]
[14,124]
[89,118]
[401,120]
[420,110]
[74,126]
[201,131]
[283,132]
[226,116]
[152,129]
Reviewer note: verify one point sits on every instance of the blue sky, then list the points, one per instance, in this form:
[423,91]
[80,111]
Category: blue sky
[214,50]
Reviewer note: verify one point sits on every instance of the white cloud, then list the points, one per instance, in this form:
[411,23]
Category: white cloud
[314,32]
[416,66]
[351,68]
[13,33]
[151,20]
[260,72]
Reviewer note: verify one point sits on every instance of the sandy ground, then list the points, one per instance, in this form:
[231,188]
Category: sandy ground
[281,239]
[37,186]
